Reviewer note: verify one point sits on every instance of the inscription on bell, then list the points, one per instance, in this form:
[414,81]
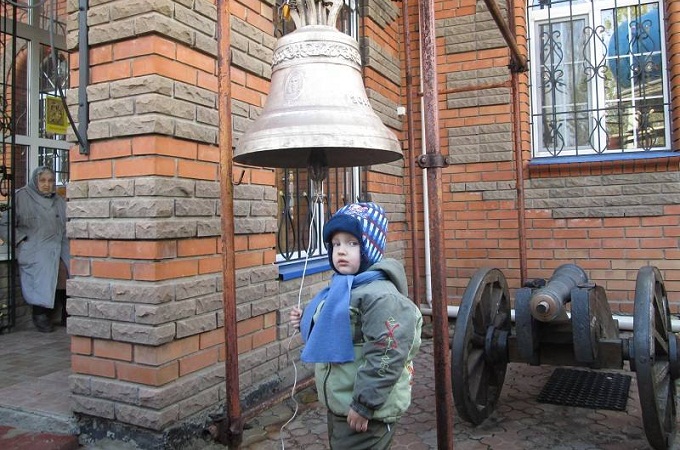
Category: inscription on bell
[293,85]
[358,100]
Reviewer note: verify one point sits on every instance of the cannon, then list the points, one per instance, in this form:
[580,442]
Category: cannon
[564,321]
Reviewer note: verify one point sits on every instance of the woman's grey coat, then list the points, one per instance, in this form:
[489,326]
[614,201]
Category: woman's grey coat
[41,242]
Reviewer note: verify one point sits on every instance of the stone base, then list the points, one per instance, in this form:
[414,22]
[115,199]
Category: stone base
[190,435]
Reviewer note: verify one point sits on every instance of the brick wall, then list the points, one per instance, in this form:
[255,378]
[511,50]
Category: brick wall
[264,302]
[263,360]
[610,218]
[381,46]
[146,293]
[145,297]
[479,201]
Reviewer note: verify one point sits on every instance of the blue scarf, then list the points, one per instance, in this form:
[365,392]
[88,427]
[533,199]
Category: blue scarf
[329,338]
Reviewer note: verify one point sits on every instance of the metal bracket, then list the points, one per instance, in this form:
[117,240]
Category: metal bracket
[518,65]
[431,160]
[240,179]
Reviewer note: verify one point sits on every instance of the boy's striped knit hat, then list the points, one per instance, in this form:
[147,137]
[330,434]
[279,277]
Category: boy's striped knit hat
[365,221]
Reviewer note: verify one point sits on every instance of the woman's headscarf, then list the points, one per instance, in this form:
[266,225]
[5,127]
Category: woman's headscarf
[42,198]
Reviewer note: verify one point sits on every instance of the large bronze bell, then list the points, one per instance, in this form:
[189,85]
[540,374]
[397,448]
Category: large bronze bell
[317,112]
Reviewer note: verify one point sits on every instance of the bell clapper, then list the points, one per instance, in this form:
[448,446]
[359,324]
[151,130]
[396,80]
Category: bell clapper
[317,167]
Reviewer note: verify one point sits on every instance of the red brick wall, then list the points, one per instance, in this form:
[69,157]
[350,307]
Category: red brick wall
[480,208]
[145,290]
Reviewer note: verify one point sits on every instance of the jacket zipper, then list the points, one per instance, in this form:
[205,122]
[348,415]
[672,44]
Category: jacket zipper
[325,380]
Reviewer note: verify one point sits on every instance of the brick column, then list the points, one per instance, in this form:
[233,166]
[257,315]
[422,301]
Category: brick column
[145,294]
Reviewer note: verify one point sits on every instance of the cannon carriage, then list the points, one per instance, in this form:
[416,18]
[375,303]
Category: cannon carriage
[564,321]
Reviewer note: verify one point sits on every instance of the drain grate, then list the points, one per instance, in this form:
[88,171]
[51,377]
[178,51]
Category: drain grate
[586,389]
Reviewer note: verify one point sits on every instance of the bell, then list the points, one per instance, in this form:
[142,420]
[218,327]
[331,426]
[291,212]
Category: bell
[317,113]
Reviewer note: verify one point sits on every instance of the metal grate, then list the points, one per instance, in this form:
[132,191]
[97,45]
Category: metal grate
[586,389]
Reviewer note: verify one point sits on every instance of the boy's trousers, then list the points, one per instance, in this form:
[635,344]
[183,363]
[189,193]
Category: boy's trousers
[341,437]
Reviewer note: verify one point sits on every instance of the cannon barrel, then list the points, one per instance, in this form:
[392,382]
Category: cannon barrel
[547,303]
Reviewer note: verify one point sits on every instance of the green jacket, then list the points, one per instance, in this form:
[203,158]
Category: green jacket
[386,328]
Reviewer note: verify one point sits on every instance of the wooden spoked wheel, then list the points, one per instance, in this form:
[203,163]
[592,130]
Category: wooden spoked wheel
[654,357]
[479,355]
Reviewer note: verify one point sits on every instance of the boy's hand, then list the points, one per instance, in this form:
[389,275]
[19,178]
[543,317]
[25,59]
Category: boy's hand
[356,421]
[295,315]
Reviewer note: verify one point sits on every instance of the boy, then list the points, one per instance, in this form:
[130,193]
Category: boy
[362,332]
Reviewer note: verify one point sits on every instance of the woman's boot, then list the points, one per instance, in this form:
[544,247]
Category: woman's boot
[60,299]
[41,319]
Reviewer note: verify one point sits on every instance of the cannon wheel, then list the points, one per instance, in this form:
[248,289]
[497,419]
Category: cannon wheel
[653,357]
[479,350]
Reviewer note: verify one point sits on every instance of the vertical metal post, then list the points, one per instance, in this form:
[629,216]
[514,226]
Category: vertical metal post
[518,64]
[433,160]
[231,432]
[83,77]
[13,265]
[415,247]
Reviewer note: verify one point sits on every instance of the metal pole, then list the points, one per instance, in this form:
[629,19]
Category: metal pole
[412,159]
[434,161]
[519,161]
[231,432]
[83,78]
[517,58]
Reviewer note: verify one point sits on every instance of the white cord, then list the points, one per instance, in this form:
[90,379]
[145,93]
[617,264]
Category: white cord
[317,201]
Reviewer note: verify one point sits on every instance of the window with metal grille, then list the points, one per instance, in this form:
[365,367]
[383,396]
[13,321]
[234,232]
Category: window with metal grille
[599,83]
[35,77]
[298,235]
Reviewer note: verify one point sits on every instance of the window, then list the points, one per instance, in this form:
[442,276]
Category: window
[296,202]
[35,75]
[598,77]
[296,192]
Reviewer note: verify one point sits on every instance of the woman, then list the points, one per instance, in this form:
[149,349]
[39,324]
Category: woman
[42,250]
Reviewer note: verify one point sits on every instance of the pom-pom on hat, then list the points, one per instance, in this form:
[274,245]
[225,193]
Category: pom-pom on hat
[365,221]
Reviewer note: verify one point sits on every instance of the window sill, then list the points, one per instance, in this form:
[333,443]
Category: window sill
[553,160]
[291,270]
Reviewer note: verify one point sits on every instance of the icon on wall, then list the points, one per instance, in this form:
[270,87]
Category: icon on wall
[55,114]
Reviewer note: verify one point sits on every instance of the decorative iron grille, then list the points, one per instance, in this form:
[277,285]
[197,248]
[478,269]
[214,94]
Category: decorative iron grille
[599,80]
[301,218]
